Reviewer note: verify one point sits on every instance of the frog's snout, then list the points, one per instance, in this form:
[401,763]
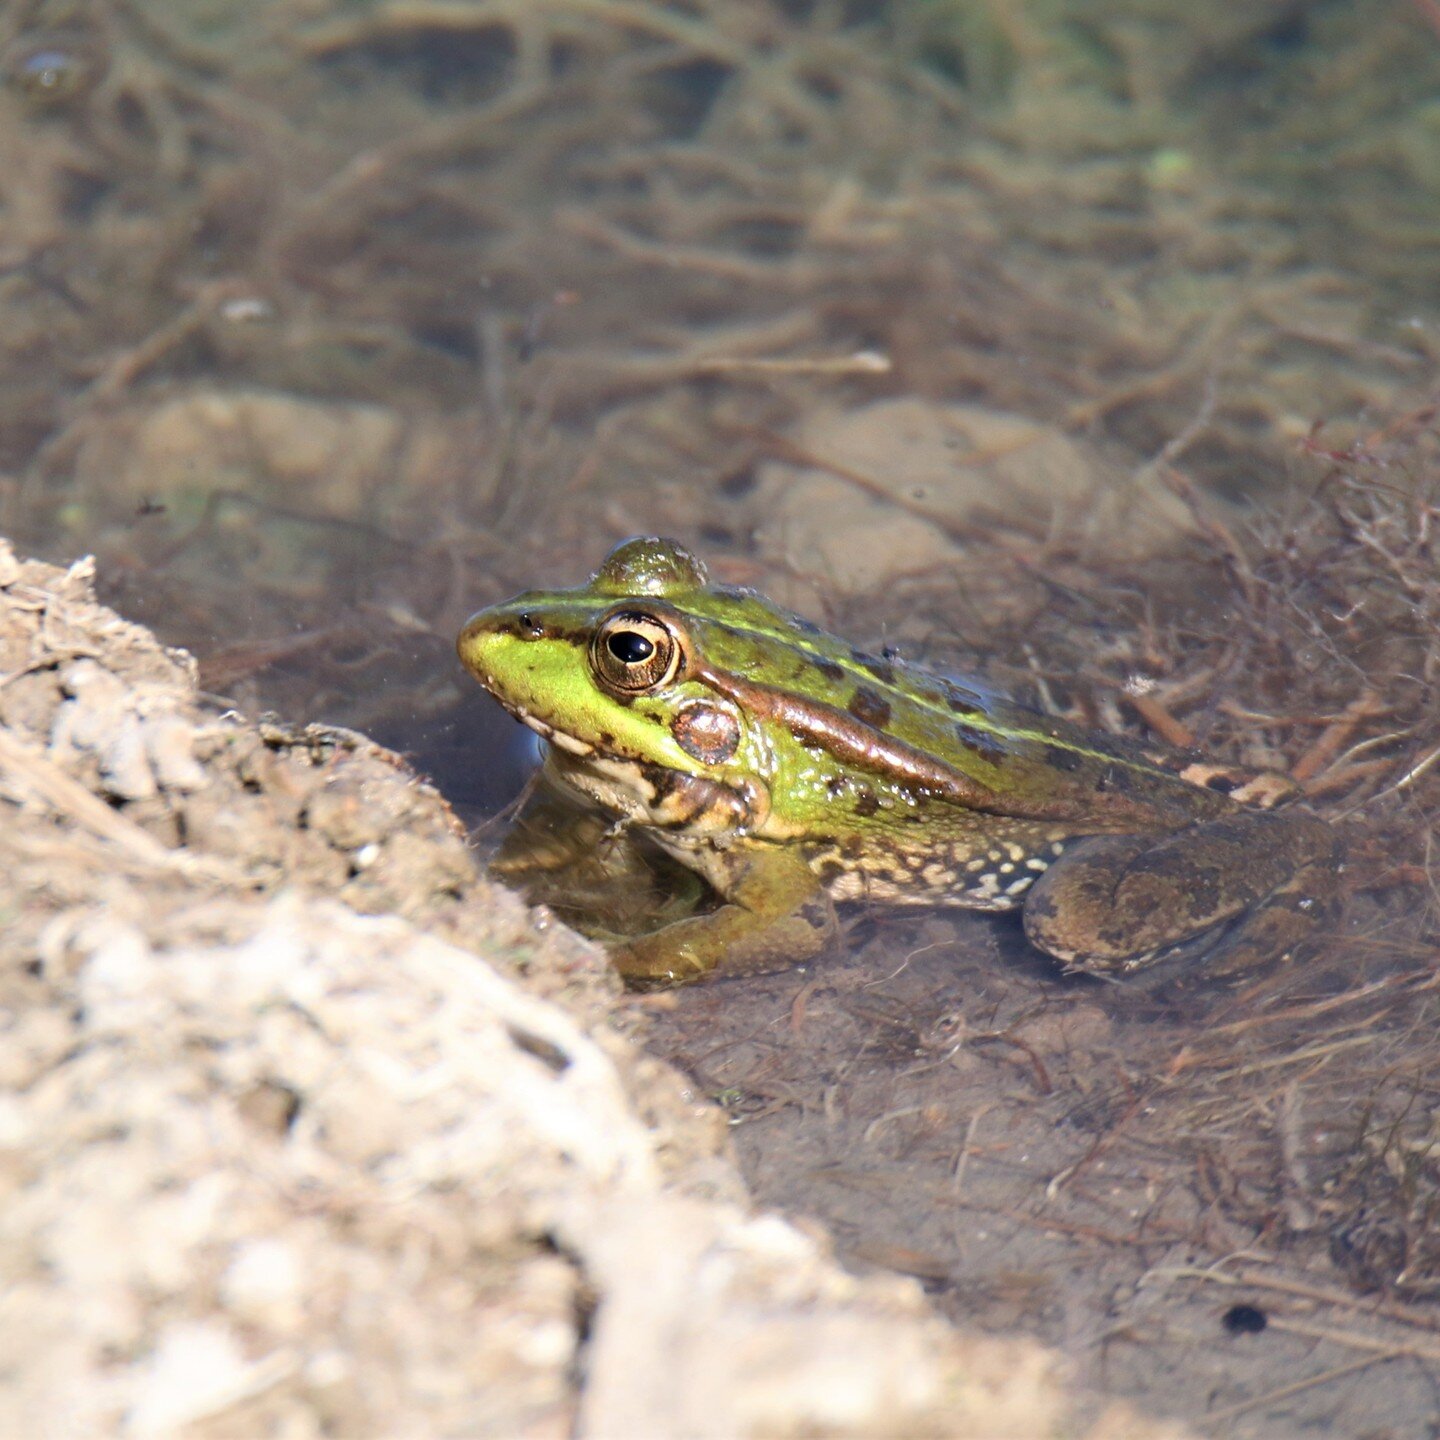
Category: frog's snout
[497,646]
[474,642]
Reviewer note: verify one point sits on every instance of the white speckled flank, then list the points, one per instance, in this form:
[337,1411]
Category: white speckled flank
[986,889]
[940,873]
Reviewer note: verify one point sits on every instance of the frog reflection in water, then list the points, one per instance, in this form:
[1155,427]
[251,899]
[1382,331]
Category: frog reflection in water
[791,771]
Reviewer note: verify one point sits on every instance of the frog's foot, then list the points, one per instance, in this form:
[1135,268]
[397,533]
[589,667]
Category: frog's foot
[1261,881]
[776,915]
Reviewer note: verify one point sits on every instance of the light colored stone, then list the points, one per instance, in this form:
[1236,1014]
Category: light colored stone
[900,481]
[322,453]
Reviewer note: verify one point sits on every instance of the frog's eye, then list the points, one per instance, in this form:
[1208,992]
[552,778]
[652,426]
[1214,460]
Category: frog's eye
[633,652]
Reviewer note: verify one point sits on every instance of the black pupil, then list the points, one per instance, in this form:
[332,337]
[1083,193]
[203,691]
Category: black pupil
[630,647]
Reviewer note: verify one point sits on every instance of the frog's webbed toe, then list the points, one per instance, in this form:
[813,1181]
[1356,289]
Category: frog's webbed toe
[1117,902]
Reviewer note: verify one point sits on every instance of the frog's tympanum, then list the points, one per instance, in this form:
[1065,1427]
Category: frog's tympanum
[792,771]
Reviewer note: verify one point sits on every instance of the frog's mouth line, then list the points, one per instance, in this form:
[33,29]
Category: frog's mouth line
[544,731]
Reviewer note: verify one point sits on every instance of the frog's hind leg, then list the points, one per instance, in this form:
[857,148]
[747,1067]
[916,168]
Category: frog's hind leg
[1258,882]
[1292,916]
[775,914]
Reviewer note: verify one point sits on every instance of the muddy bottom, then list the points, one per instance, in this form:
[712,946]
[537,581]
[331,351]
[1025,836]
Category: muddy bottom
[1123,1170]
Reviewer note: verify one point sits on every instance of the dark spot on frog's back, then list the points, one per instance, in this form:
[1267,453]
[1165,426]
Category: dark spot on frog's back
[1118,780]
[979,743]
[830,670]
[869,708]
[866,801]
[880,668]
[1057,757]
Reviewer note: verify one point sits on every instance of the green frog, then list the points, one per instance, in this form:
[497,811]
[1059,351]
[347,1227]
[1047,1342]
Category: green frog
[792,771]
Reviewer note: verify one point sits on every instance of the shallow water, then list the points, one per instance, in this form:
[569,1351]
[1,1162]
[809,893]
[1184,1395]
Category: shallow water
[325,326]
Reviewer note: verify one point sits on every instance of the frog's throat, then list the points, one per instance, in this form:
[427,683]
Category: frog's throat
[653,795]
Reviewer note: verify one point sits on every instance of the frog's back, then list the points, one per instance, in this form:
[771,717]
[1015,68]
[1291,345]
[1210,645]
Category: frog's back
[906,733]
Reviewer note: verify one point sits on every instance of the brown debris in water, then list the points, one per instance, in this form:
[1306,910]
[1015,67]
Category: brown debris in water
[584,261]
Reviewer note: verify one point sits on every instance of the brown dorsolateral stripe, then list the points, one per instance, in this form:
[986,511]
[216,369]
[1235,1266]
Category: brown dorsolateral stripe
[847,738]
[855,743]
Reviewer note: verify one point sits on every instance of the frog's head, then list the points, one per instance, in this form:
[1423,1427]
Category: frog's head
[607,673]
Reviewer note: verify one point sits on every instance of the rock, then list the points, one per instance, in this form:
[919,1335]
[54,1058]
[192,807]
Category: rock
[909,476]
